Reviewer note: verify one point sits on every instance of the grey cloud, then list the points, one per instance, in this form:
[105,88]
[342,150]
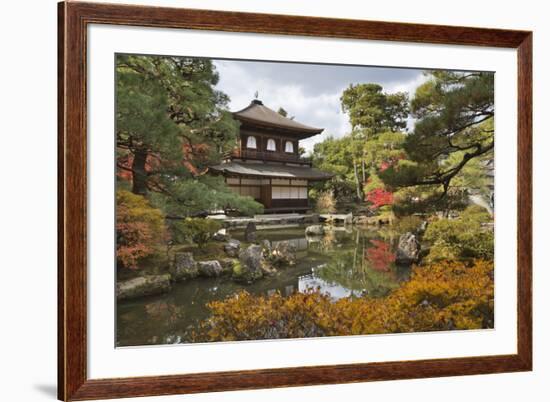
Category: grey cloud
[310,92]
[323,78]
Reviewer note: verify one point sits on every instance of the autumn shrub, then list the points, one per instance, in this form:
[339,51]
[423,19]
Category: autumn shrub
[197,230]
[379,197]
[139,228]
[441,296]
[376,194]
[326,202]
[462,238]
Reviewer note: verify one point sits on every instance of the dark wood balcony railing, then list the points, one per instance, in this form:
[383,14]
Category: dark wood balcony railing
[269,156]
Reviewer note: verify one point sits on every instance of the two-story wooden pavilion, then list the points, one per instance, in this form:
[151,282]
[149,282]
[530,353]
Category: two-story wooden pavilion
[266,163]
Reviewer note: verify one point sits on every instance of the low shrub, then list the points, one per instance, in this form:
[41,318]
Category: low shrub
[197,230]
[463,238]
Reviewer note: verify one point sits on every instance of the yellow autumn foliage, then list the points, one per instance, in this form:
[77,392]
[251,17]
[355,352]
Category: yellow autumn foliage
[440,296]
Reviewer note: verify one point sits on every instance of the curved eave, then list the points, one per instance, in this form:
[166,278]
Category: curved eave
[272,171]
[301,132]
[229,173]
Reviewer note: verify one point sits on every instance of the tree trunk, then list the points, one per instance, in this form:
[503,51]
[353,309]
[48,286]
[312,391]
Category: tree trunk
[139,175]
[357,184]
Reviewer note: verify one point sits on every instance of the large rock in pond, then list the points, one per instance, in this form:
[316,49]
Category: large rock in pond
[315,230]
[210,268]
[313,218]
[184,267]
[143,286]
[252,264]
[250,232]
[232,248]
[408,249]
[283,254]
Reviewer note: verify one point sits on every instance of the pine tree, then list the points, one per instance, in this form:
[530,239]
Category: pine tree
[454,112]
[171,124]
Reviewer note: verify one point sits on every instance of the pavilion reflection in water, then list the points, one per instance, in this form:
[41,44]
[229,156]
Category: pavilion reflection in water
[309,280]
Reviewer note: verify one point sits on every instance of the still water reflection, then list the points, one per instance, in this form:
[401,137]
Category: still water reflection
[345,262]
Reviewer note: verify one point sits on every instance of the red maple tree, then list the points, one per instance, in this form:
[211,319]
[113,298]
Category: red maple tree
[379,197]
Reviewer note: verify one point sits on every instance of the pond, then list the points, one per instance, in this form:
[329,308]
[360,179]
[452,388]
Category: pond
[346,262]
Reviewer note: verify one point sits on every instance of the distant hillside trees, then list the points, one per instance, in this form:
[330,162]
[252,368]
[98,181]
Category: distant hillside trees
[371,112]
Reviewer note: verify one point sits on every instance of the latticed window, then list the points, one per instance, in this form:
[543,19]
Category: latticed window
[287,193]
[289,147]
[271,145]
[251,142]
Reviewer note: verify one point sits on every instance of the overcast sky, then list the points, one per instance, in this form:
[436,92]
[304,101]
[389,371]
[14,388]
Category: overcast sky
[310,92]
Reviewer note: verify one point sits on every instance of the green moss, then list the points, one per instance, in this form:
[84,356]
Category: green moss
[237,268]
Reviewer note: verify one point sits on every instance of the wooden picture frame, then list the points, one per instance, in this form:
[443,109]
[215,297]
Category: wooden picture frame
[74,17]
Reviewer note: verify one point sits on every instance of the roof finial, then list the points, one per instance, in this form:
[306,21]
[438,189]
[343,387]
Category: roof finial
[256,101]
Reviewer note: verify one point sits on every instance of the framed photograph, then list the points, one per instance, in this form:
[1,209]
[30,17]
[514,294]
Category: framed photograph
[252,201]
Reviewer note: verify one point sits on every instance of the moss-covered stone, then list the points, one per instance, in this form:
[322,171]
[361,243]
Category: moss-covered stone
[184,267]
[209,269]
[143,286]
[252,264]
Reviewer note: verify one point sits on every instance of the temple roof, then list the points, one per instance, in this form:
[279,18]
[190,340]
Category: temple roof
[272,170]
[258,114]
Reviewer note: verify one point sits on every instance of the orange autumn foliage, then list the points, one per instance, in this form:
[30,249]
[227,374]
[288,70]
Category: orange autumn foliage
[442,296]
[139,228]
[379,197]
